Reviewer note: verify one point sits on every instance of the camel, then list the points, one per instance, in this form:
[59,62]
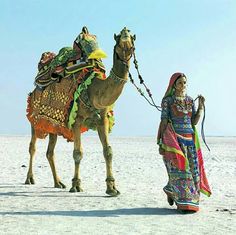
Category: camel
[101,95]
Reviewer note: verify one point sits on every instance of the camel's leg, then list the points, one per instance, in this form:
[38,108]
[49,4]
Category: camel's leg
[30,177]
[107,152]
[50,156]
[77,155]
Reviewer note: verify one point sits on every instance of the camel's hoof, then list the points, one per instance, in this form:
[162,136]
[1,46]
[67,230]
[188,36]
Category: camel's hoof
[27,181]
[59,185]
[76,189]
[111,188]
[76,186]
[30,180]
[73,190]
[113,192]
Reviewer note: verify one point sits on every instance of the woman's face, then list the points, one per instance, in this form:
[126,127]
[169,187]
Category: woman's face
[181,84]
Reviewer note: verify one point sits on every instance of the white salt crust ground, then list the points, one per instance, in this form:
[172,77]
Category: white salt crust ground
[140,175]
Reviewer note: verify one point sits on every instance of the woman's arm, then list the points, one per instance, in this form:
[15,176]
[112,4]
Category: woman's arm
[161,131]
[162,127]
[165,115]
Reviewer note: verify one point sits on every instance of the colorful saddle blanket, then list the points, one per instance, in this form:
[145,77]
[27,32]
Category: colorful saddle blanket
[51,67]
[53,109]
[48,108]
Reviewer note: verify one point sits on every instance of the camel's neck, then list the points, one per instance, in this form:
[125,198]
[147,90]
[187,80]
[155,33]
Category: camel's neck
[116,80]
[120,68]
[105,93]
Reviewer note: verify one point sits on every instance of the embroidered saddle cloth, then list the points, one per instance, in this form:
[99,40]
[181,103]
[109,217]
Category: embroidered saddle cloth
[48,109]
[53,109]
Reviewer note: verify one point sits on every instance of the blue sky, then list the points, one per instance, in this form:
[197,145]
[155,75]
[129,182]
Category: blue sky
[194,37]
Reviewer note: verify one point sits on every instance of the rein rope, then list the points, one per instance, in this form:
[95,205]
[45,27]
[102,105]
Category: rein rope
[141,81]
[202,126]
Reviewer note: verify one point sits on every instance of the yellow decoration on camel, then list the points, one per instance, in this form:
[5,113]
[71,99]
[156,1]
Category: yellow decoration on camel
[99,53]
[89,45]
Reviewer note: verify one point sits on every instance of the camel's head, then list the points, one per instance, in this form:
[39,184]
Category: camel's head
[124,47]
[88,44]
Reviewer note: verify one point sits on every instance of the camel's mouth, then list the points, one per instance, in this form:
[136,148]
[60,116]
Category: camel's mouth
[126,42]
[125,37]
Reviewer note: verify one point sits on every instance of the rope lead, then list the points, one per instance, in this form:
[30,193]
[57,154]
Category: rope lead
[150,100]
[202,126]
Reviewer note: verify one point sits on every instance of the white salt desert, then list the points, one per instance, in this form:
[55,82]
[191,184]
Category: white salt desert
[141,208]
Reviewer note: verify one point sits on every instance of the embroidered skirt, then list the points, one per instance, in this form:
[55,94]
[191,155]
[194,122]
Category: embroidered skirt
[183,185]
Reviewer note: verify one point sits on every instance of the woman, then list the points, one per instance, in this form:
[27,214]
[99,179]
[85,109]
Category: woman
[179,145]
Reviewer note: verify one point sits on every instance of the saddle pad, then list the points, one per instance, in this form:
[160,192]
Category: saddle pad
[48,109]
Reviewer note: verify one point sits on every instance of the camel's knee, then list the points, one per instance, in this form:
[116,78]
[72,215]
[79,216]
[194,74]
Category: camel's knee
[50,153]
[108,153]
[77,155]
[32,148]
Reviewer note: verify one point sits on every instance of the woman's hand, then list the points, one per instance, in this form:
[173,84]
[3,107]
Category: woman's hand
[196,117]
[201,101]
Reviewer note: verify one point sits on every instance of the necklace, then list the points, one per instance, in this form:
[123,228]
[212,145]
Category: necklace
[181,104]
[180,97]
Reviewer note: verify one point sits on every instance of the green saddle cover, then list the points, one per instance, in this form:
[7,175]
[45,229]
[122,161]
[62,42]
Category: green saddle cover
[64,55]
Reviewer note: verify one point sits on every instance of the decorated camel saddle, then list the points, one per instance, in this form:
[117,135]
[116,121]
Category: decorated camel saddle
[84,54]
[61,79]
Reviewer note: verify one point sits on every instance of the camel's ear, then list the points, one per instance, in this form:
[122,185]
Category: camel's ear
[134,37]
[85,30]
[115,36]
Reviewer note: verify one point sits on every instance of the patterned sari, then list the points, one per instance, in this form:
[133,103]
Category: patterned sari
[185,169]
[182,153]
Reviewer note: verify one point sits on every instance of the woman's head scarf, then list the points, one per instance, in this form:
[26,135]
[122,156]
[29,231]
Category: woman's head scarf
[173,79]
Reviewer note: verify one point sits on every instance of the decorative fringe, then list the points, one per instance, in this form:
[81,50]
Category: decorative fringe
[83,86]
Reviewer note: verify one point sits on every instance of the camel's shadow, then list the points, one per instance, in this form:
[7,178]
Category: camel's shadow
[99,213]
[79,213]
